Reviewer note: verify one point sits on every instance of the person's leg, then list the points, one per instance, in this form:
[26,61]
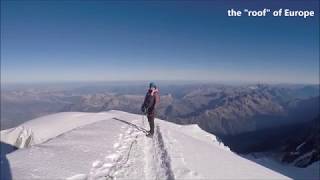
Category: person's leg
[151,123]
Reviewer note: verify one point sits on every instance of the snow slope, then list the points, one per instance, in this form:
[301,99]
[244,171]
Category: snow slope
[44,128]
[113,145]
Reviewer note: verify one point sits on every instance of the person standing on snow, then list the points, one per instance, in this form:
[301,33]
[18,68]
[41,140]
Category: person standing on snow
[148,107]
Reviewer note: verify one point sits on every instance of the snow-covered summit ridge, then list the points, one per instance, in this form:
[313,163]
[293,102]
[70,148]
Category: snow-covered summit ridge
[113,145]
[44,128]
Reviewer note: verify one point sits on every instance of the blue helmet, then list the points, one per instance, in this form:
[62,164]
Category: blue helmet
[152,85]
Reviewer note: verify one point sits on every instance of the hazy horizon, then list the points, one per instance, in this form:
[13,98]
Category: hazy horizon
[146,82]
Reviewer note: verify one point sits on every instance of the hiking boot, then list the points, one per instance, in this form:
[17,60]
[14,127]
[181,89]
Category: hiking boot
[149,134]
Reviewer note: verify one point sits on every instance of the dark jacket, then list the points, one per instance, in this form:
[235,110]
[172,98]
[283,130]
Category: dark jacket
[149,103]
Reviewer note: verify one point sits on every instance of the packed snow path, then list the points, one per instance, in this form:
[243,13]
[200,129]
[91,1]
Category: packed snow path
[136,156]
[113,145]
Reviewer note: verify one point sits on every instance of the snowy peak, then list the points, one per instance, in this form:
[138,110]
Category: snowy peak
[113,145]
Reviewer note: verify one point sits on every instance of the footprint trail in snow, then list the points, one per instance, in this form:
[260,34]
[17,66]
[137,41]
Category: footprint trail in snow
[134,156]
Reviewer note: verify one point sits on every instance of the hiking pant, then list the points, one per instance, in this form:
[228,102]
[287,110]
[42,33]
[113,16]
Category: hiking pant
[151,123]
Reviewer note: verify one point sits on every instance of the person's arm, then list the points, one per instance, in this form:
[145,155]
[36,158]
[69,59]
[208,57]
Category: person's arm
[145,104]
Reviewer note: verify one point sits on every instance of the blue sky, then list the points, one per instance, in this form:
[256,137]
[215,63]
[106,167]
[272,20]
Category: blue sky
[104,40]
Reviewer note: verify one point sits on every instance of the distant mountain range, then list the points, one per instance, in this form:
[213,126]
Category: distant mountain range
[220,109]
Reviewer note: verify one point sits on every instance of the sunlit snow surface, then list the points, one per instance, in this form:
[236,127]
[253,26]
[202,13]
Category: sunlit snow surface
[113,145]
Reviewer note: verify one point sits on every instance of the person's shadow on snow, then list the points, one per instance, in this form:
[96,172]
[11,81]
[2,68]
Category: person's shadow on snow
[5,166]
[132,125]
